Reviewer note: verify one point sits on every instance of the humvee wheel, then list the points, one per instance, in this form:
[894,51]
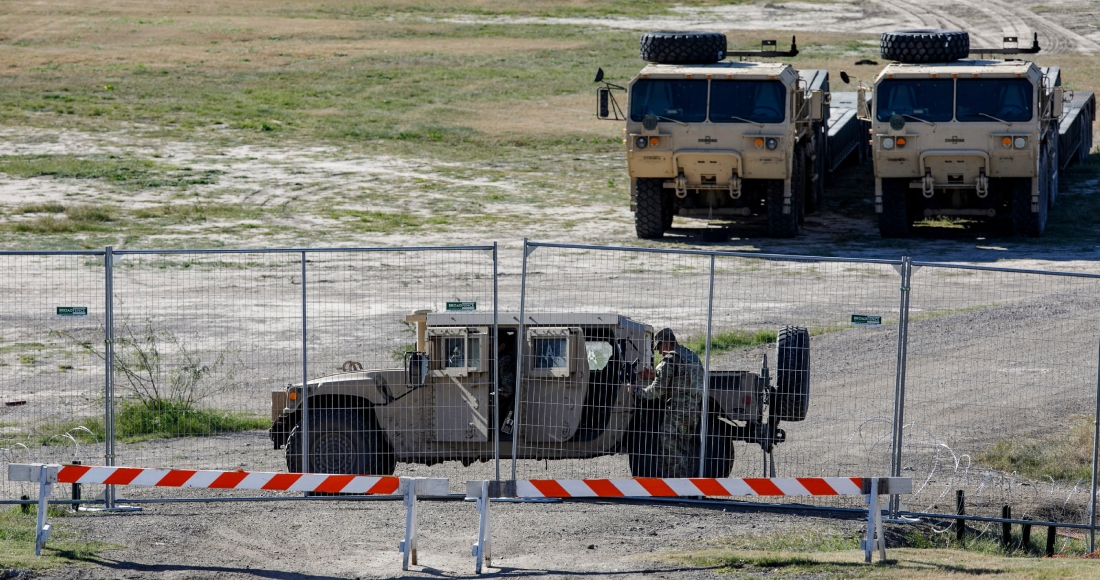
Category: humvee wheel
[644,440]
[921,46]
[340,442]
[894,221]
[649,214]
[792,374]
[719,453]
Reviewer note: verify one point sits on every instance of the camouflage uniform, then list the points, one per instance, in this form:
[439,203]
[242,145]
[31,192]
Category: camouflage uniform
[679,382]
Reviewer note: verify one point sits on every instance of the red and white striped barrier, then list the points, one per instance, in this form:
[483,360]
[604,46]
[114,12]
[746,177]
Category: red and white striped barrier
[47,475]
[210,479]
[642,487]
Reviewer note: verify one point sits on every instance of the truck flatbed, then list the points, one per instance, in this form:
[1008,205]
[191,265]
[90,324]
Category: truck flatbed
[847,134]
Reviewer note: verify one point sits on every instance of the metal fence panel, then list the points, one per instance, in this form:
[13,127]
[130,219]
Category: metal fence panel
[1000,393]
[51,362]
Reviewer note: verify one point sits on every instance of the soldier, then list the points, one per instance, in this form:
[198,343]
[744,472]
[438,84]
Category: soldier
[506,376]
[678,381]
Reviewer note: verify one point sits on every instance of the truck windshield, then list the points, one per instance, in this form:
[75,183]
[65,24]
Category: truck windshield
[924,99]
[1005,99]
[756,101]
[679,100]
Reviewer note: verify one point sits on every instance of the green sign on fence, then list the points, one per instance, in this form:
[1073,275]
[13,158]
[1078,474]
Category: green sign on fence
[866,320]
[72,311]
[461,306]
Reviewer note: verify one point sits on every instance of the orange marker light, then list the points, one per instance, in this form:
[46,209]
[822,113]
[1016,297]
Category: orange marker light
[900,141]
[654,140]
[1007,142]
[292,396]
[759,143]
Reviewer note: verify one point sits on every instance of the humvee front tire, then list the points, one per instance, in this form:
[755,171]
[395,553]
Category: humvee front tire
[719,452]
[644,440]
[894,221]
[342,442]
[792,374]
[649,212]
[683,47]
[922,46]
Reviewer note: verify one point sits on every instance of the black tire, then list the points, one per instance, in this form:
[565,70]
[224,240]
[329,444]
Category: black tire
[683,47]
[815,189]
[644,440]
[649,213]
[668,210]
[1055,171]
[922,46]
[781,225]
[792,374]
[1026,223]
[894,221]
[341,442]
[720,452]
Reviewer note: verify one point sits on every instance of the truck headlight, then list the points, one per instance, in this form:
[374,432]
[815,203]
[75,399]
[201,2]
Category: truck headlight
[771,143]
[887,143]
[1020,142]
[641,142]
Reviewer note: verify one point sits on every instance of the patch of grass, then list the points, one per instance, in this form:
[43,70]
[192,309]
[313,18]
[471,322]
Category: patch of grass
[728,340]
[399,352]
[135,422]
[132,172]
[1064,455]
[17,532]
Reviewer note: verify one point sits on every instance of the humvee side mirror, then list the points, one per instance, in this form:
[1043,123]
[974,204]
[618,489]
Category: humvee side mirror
[1057,100]
[843,76]
[817,105]
[599,75]
[603,97]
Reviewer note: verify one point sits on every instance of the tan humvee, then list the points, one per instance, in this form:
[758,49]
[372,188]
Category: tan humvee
[576,380]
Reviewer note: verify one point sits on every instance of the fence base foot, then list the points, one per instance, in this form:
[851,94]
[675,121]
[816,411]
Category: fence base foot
[408,546]
[482,549]
[876,536]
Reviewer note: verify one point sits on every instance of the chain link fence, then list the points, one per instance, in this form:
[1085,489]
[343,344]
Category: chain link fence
[967,378]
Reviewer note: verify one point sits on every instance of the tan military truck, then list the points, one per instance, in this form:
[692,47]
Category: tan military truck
[978,138]
[715,138]
[575,398]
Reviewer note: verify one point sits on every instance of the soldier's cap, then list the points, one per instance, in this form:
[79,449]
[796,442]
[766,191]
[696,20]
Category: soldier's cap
[665,335]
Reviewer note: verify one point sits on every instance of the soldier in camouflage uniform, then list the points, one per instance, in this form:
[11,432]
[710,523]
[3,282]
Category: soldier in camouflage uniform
[678,381]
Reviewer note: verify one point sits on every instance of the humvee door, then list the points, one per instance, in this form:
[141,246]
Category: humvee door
[461,380]
[555,381]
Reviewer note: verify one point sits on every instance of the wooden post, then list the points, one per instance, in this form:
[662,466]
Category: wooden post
[1006,528]
[1051,532]
[960,509]
[1025,535]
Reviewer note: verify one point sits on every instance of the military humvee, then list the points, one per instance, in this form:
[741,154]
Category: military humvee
[978,138]
[574,398]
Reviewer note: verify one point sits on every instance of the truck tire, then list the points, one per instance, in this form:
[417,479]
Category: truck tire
[894,221]
[1026,223]
[644,440]
[792,374]
[683,47]
[668,210]
[720,452]
[782,225]
[649,213]
[921,46]
[341,441]
[815,191]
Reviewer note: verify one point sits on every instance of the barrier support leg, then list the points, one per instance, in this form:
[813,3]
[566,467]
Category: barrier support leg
[43,530]
[482,549]
[408,547]
[876,538]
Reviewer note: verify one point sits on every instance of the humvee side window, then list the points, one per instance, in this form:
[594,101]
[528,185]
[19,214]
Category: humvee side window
[456,351]
[456,348]
[551,353]
[599,353]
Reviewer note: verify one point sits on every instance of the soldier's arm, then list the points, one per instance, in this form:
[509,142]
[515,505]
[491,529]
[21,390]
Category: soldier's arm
[656,388]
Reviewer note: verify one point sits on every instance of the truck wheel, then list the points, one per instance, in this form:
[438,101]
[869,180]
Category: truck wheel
[784,225]
[719,459]
[645,441]
[920,46]
[815,189]
[1027,223]
[683,47]
[1055,170]
[668,210]
[649,215]
[792,374]
[341,442]
[894,221]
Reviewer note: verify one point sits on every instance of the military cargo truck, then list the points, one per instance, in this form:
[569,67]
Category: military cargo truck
[715,138]
[576,381]
[977,137]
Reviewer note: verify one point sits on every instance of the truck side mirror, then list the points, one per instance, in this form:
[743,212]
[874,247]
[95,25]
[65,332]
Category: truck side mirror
[817,106]
[844,77]
[863,111]
[603,103]
[1057,100]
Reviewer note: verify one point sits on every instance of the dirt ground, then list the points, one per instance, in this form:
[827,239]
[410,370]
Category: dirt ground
[348,540]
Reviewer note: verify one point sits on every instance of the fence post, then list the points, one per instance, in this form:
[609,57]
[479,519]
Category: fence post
[496,370]
[522,341]
[899,377]
[109,361]
[703,420]
[304,422]
[1095,457]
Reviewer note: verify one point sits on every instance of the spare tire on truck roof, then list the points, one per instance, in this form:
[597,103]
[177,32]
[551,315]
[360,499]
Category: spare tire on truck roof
[925,46]
[683,47]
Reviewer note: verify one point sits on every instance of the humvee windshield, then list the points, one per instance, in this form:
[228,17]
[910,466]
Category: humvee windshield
[924,99]
[756,101]
[679,100]
[1005,99]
